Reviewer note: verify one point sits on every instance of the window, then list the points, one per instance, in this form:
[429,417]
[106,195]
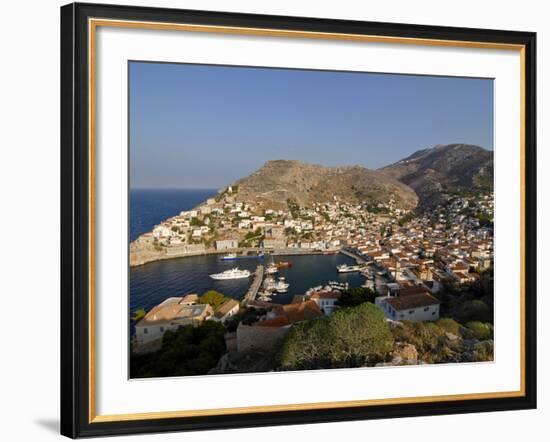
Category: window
[426,309]
[402,316]
[433,313]
[144,331]
[411,312]
[162,329]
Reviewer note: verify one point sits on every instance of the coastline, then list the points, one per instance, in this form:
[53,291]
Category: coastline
[137,259]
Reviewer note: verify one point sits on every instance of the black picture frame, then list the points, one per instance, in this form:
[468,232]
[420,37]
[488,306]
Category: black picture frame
[75,221]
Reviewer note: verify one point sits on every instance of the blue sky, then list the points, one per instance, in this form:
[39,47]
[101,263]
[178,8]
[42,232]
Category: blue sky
[194,126]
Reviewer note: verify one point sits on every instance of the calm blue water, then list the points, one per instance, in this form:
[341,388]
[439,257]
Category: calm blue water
[151,283]
[149,207]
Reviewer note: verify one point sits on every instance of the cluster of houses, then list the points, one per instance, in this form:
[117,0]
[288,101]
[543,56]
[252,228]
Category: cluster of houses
[416,255]
[225,223]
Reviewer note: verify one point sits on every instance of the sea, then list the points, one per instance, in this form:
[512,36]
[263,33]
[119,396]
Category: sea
[151,283]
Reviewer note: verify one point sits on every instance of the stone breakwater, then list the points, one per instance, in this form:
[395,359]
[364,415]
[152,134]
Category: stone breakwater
[143,251]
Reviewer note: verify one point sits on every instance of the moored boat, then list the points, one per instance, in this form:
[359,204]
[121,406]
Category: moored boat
[281,286]
[284,264]
[344,268]
[234,273]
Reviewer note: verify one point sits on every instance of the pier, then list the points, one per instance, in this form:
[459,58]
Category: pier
[256,284]
[358,259]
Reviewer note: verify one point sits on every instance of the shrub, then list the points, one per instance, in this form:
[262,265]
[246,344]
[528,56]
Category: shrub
[138,315]
[350,337]
[356,296]
[449,325]
[481,330]
[474,310]
[483,351]
[214,298]
[187,351]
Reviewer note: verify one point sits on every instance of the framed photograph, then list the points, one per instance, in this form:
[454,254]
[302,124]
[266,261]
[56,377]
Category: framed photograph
[273,220]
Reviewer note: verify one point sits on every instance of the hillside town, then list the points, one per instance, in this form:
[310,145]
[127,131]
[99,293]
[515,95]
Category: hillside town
[406,257]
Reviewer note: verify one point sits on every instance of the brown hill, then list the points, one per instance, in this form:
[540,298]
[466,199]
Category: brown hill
[280,180]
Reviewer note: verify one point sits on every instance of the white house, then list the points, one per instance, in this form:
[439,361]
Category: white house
[161,231]
[417,307]
[326,300]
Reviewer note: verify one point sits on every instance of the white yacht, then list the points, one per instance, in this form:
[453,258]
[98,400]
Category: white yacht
[235,273]
[271,269]
[229,256]
[344,268]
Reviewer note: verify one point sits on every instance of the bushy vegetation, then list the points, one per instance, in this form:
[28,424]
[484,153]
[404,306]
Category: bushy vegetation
[480,330]
[446,340]
[355,296]
[350,337]
[469,302]
[138,315]
[449,325]
[187,351]
[214,298]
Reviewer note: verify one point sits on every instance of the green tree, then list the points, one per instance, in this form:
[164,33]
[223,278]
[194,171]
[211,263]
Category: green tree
[214,298]
[474,310]
[139,314]
[350,337]
[186,351]
[355,296]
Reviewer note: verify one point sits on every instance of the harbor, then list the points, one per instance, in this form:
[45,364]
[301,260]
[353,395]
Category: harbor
[151,284]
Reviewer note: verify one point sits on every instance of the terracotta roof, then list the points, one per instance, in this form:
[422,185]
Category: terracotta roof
[326,295]
[412,301]
[414,290]
[165,313]
[193,297]
[299,312]
[226,307]
[278,321]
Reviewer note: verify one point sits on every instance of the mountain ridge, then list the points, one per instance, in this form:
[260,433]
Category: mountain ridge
[435,171]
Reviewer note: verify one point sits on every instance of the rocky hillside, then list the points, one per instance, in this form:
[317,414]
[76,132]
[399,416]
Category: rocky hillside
[450,168]
[280,180]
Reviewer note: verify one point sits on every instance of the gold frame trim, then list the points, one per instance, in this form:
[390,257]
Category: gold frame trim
[93,24]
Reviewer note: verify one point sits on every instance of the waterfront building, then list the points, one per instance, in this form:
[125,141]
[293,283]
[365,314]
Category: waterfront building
[225,311]
[273,243]
[227,243]
[171,314]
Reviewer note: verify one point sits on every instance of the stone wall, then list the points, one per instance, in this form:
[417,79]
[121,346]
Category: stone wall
[253,337]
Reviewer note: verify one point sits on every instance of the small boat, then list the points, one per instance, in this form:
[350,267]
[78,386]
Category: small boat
[264,296]
[284,264]
[281,286]
[269,283]
[344,268]
[271,269]
[235,273]
[336,285]
[232,256]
